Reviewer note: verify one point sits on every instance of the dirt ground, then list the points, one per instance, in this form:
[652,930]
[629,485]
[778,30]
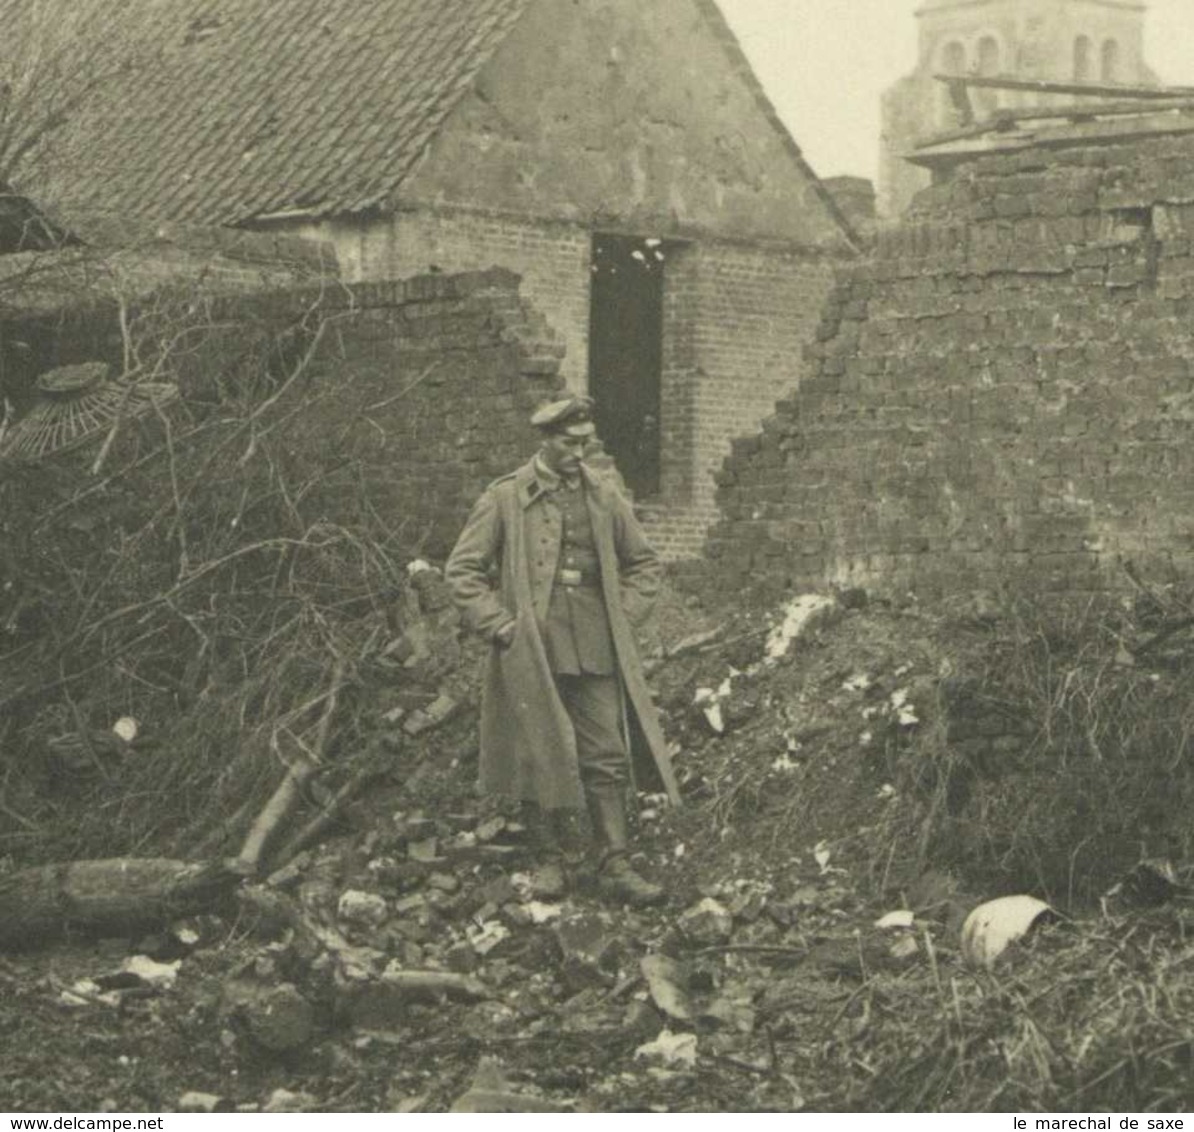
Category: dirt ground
[763,984]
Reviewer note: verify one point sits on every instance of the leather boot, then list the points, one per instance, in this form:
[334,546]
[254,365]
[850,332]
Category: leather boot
[616,878]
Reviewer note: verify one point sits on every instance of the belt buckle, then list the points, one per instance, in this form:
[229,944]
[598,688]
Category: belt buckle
[571,577]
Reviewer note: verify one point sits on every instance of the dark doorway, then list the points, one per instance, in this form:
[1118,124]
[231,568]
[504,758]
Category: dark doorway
[626,353]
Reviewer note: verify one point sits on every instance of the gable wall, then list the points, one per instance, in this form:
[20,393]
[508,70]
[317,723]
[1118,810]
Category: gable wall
[616,112]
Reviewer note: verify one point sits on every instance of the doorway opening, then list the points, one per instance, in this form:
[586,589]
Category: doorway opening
[626,353]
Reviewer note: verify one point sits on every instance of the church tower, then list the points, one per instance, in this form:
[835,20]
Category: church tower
[1095,41]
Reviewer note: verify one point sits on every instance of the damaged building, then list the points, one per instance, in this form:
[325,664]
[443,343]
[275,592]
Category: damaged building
[621,158]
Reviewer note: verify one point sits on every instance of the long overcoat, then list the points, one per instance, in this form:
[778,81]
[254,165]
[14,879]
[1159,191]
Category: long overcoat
[528,749]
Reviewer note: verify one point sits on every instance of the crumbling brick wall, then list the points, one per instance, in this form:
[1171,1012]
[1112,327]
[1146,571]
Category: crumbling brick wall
[439,375]
[551,257]
[1003,389]
[736,319]
[737,315]
[433,380]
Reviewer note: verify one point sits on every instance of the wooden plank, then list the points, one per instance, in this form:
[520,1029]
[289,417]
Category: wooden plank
[1006,119]
[1014,142]
[1050,86]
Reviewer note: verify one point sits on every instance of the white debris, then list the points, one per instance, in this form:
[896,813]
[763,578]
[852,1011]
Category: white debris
[161,975]
[187,936]
[797,614]
[887,791]
[709,701]
[364,908]
[859,682]
[865,739]
[902,706]
[903,918]
[486,936]
[418,566]
[669,1048]
[283,1100]
[541,913]
[126,727]
[821,855]
[784,763]
[86,992]
[707,922]
[198,1102]
[992,926]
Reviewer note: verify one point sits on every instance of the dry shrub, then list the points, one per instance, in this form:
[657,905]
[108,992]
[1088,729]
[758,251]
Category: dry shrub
[225,560]
[1076,1020]
[1063,752]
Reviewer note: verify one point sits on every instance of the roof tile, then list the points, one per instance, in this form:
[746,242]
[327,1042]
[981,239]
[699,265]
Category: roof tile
[279,104]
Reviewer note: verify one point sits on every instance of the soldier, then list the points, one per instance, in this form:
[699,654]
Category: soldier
[554,571]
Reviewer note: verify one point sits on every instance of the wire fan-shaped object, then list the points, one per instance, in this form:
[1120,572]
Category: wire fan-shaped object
[77,403]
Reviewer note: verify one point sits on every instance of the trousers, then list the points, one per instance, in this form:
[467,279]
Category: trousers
[594,705]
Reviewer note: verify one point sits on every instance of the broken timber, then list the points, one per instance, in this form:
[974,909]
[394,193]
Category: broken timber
[1097,100]
[123,894]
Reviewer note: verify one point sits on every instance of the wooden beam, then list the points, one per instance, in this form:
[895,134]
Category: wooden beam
[1008,118]
[1050,86]
[1012,143]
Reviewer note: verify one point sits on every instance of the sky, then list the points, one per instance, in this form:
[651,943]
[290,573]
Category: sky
[824,64]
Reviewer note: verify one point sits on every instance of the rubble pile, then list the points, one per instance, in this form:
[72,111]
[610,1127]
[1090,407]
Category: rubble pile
[426,954]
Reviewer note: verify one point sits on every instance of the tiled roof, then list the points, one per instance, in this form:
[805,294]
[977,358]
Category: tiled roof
[253,107]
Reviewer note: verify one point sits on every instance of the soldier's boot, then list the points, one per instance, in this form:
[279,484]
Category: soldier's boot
[616,877]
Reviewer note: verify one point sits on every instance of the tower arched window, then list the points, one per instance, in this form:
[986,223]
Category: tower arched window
[988,55]
[953,62]
[1109,71]
[953,58]
[986,100]
[1082,54]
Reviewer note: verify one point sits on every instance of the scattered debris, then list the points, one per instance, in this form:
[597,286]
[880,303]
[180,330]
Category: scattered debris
[491,1092]
[364,909]
[151,972]
[670,1049]
[707,923]
[201,1102]
[666,980]
[284,1100]
[799,614]
[992,927]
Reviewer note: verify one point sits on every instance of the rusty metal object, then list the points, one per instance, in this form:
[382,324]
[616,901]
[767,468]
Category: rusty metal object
[77,403]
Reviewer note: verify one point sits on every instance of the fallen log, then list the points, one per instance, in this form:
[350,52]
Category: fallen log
[123,894]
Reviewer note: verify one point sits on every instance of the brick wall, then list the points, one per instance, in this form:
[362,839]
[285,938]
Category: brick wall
[1003,390]
[551,257]
[736,320]
[439,375]
[426,386]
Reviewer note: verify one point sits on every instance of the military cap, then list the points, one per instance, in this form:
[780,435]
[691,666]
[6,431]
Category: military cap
[572,416]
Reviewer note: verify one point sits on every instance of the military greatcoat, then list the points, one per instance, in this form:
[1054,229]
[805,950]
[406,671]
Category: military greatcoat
[527,746]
